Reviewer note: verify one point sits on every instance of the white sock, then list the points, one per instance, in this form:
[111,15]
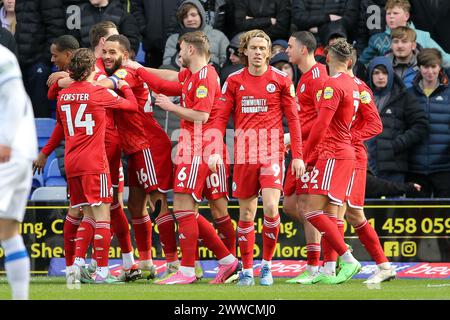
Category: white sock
[266,263]
[187,271]
[127,260]
[384,266]
[347,257]
[17,266]
[248,271]
[79,262]
[102,271]
[312,269]
[93,263]
[145,264]
[329,268]
[229,259]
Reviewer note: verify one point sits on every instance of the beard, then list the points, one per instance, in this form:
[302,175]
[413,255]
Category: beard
[115,67]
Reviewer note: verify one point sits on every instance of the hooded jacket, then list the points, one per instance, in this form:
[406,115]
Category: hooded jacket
[218,42]
[433,154]
[406,72]
[404,123]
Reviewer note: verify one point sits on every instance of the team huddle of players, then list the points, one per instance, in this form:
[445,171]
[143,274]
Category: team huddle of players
[104,108]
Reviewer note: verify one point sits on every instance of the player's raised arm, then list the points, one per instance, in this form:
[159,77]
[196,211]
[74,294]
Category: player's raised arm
[184,113]
[168,75]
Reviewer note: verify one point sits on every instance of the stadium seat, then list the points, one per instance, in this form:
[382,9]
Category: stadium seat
[49,194]
[44,129]
[54,177]
[50,158]
[38,181]
[140,55]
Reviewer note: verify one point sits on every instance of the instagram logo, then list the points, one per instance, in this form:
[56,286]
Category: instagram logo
[409,249]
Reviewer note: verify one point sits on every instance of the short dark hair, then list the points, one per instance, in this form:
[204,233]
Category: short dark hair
[307,39]
[66,43]
[183,11]
[82,64]
[122,40]
[100,30]
[429,57]
[382,68]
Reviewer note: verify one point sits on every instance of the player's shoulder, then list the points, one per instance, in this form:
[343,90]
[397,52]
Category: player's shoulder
[235,75]
[278,73]
[319,71]
[124,73]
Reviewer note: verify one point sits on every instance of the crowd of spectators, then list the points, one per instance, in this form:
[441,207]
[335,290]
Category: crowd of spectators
[403,49]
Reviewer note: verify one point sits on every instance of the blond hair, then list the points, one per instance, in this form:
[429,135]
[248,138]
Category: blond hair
[245,40]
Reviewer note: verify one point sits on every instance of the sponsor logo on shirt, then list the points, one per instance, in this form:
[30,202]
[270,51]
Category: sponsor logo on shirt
[328,93]
[365,97]
[241,88]
[251,105]
[318,94]
[293,90]
[271,88]
[201,92]
[121,73]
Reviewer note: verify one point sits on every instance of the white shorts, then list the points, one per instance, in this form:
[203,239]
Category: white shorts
[15,184]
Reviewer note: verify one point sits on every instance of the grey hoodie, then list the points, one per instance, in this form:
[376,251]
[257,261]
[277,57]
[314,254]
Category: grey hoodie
[217,40]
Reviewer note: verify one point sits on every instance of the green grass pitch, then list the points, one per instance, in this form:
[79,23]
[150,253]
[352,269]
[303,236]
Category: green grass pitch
[54,288]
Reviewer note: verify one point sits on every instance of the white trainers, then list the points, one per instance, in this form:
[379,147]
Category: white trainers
[381,275]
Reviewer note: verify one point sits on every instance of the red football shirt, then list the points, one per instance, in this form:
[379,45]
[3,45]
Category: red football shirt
[367,123]
[309,90]
[132,126]
[258,104]
[200,92]
[339,103]
[81,112]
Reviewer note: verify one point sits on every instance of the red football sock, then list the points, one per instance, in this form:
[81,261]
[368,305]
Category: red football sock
[121,228]
[226,233]
[143,235]
[102,240]
[167,236]
[312,254]
[329,255]
[369,238]
[341,225]
[85,233]
[270,231]
[328,230]
[246,241]
[70,234]
[188,235]
[210,238]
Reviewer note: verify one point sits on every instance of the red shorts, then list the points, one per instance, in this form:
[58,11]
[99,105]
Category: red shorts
[216,184]
[114,154]
[90,189]
[161,154]
[331,177]
[249,179]
[290,183]
[141,171]
[302,186]
[190,177]
[357,188]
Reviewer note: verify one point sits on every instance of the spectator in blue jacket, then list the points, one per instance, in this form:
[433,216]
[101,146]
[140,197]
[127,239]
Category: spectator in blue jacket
[397,15]
[429,162]
[404,54]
